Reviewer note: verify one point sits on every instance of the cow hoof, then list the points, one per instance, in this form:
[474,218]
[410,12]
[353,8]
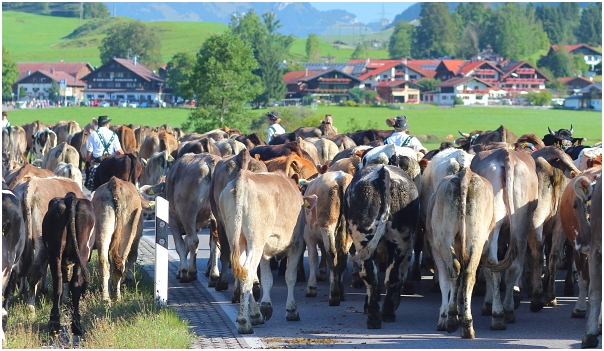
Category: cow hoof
[267,310]
[292,316]
[388,317]
[374,322]
[487,309]
[256,291]
[245,328]
[510,317]
[536,304]
[408,288]
[77,328]
[498,322]
[235,298]
[334,301]
[322,276]
[578,313]
[550,301]
[452,324]
[311,291]
[212,282]
[589,341]
[221,286]
[468,333]
[54,328]
[517,299]
[257,319]
[442,324]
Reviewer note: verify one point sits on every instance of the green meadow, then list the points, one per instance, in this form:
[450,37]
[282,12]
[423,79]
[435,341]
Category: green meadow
[423,119]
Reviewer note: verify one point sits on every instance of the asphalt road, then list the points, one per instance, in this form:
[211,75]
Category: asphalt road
[344,326]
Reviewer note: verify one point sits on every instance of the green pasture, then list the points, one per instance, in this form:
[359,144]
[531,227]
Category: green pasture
[423,119]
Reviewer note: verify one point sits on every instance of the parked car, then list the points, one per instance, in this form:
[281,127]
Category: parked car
[144,104]
[122,103]
[133,104]
[104,104]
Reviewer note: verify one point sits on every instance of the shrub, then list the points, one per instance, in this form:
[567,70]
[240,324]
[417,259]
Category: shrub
[351,103]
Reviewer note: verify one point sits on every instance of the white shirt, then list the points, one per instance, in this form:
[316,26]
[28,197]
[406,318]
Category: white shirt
[399,139]
[274,129]
[96,147]
[5,123]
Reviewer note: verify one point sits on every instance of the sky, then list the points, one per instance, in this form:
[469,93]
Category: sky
[366,11]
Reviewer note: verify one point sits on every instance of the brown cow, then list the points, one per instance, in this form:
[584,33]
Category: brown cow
[35,195]
[198,146]
[126,167]
[141,133]
[347,165]
[278,232]
[156,167]
[149,145]
[271,151]
[501,134]
[61,153]
[126,137]
[118,209]
[24,173]
[65,129]
[342,141]
[80,139]
[291,165]
[251,140]
[229,147]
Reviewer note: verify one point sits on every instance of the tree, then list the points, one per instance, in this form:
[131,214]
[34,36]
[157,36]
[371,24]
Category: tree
[178,72]
[55,92]
[556,85]
[313,48]
[401,41]
[553,22]
[133,38]
[561,63]
[579,65]
[361,52]
[436,34]
[10,73]
[357,95]
[590,28]
[95,10]
[223,82]
[428,84]
[543,98]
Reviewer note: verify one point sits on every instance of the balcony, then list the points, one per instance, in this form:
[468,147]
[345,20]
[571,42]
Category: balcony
[486,72]
[334,80]
[327,91]
[524,81]
[525,71]
[489,80]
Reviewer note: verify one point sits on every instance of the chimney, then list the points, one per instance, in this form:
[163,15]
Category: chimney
[61,61]
[367,61]
[404,60]
[52,70]
[306,72]
[134,60]
[28,73]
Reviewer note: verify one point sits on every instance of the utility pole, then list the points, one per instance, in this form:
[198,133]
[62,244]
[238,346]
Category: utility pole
[81,12]
[113,10]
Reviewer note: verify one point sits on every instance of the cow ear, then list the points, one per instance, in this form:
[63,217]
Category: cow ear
[583,188]
[296,178]
[310,201]
[324,168]
[257,157]
[170,158]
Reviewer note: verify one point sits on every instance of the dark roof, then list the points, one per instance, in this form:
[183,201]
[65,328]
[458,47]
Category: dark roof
[353,68]
[139,69]
[587,89]
[71,68]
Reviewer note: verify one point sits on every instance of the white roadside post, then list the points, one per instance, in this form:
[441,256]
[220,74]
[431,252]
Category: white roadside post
[161,251]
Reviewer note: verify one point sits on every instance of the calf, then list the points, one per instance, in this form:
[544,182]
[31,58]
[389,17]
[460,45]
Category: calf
[459,220]
[118,209]
[277,232]
[589,241]
[382,208]
[67,232]
[326,227]
[13,245]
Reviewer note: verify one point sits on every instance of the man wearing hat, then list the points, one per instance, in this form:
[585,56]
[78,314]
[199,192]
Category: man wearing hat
[5,123]
[400,136]
[273,125]
[102,142]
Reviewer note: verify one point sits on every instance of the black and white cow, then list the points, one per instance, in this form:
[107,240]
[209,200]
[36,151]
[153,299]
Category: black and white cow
[42,142]
[562,138]
[68,235]
[382,208]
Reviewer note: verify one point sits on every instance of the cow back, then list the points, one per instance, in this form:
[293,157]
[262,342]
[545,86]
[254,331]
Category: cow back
[61,153]
[125,167]
[24,173]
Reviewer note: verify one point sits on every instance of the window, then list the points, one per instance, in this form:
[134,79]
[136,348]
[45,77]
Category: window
[89,96]
[118,85]
[35,80]
[110,85]
[101,96]
[42,79]
[130,97]
[100,75]
[444,97]
[129,85]
[119,74]
[100,85]
[476,87]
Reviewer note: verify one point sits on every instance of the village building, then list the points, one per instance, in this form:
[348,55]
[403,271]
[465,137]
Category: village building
[487,55]
[398,91]
[521,77]
[332,84]
[470,90]
[575,84]
[589,98]
[592,56]
[36,79]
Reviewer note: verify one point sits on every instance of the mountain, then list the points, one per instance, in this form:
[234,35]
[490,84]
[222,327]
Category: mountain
[297,18]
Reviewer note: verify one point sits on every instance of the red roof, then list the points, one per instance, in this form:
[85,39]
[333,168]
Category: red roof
[453,82]
[296,76]
[139,69]
[453,65]
[393,83]
[567,80]
[470,66]
[378,67]
[69,79]
[419,66]
[71,68]
[573,47]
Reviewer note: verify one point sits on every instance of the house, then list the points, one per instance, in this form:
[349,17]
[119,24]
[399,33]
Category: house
[124,79]
[575,84]
[398,91]
[471,90]
[589,98]
[330,84]
[487,55]
[521,76]
[35,78]
[405,69]
[448,69]
[592,56]
[484,70]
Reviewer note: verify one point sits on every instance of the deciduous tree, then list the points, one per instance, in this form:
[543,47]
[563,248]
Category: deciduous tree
[313,47]
[401,41]
[428,84]
[178,72]
[95,10]
[223,83]
[436,34]
[132,38]
[360,52]
[10,73]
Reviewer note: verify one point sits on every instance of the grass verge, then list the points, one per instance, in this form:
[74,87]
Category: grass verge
[135,322]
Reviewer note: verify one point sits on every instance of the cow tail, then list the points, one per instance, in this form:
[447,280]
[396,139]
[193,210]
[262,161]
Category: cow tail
[367,252]
[120,222]
[340,233]
[70,203]
[28,250]
[465,183]
[508,198]
[240,194]
[132,176]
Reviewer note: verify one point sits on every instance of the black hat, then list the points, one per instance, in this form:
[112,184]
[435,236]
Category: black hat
[401,122]
[273,115]
[103,120]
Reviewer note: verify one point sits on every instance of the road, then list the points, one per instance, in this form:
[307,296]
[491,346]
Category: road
[344,326]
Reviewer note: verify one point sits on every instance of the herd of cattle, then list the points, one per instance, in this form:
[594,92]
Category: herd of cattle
[471,209]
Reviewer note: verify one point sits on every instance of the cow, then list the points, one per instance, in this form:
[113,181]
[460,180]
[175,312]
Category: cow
[141,133]
[80,139]
[326,227]
[311,149]
[70,171]
[42,142]
[291,165]
[13,245]
[279,139]
[65,129]
[364,137]
[14,143]
[118,209]
[342,141]
[459,220]
[67,232]
[188,190]
[501,134]
[61,153]
[562,138]
[529,142]
[229,147]
[156,167]
[589,241]
[126,167]
[277,233]
[35,195]
[348,165]
[149,145]
[225,171]
[383,154]
[346,153]
[126,137]
[381,208]
[32,129]
[587,154]
[251,140]
[168,142]
[267,152]
[24,173]
[515,184]
[308,132]
[326,149]
[198,146]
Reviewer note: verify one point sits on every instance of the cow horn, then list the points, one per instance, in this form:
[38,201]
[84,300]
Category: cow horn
[465,135]
[550,131]
[571,128]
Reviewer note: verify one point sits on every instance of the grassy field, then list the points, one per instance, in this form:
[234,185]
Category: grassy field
[423,119]
[135,322]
